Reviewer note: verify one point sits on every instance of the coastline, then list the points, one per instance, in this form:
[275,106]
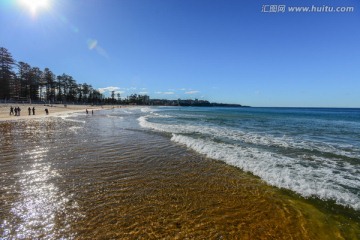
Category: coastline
[54,110]
[104,177]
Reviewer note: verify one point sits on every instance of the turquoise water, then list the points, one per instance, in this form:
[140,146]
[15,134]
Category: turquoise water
[311,151]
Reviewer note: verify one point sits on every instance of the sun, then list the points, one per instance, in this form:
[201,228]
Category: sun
[35,5]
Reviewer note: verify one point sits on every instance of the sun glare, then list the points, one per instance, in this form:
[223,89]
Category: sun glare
[35,5]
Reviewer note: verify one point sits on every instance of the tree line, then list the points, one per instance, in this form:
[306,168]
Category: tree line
[21,82]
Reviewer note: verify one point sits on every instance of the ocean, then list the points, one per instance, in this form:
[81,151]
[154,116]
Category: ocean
[313,152]
[182,172]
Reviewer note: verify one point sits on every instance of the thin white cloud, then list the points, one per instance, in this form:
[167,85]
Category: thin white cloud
[143,93]
[108,89]
[191,92]
[165,93]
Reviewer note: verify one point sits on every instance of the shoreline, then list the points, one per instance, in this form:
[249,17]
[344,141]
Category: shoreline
[54,110]
[118,182]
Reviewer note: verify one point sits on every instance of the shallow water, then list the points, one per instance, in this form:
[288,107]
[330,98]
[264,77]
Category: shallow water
[313,152]
[104,176]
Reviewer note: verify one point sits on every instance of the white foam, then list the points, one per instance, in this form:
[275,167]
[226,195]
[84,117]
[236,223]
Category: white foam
[281,171]
[69,119]
[147,110]
[114,116]
[126,111]
[308,175]
[250,137]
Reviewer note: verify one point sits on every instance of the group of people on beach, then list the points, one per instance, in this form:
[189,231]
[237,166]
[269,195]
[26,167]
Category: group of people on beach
[92,112]
[33,110]
[16,111]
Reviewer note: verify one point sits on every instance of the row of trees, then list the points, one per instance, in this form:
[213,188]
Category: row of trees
[21,82]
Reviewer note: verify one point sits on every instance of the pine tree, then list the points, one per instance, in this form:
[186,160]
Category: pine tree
[49,79]
[24,78]
[35,82]
[7,76]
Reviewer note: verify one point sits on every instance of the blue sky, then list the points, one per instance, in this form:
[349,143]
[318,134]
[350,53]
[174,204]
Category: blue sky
[219,50]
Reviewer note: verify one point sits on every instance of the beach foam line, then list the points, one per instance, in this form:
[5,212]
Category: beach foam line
[281,171]
[250,137]
[324,180]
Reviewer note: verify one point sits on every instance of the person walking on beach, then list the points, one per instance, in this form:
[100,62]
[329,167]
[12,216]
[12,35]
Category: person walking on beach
[46,111]
[33,110]
[29,109]
[18,111]
[87,112]
[92,112]
[11,110]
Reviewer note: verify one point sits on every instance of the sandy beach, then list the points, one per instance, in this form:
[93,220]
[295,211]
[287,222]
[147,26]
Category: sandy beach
[54,110]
